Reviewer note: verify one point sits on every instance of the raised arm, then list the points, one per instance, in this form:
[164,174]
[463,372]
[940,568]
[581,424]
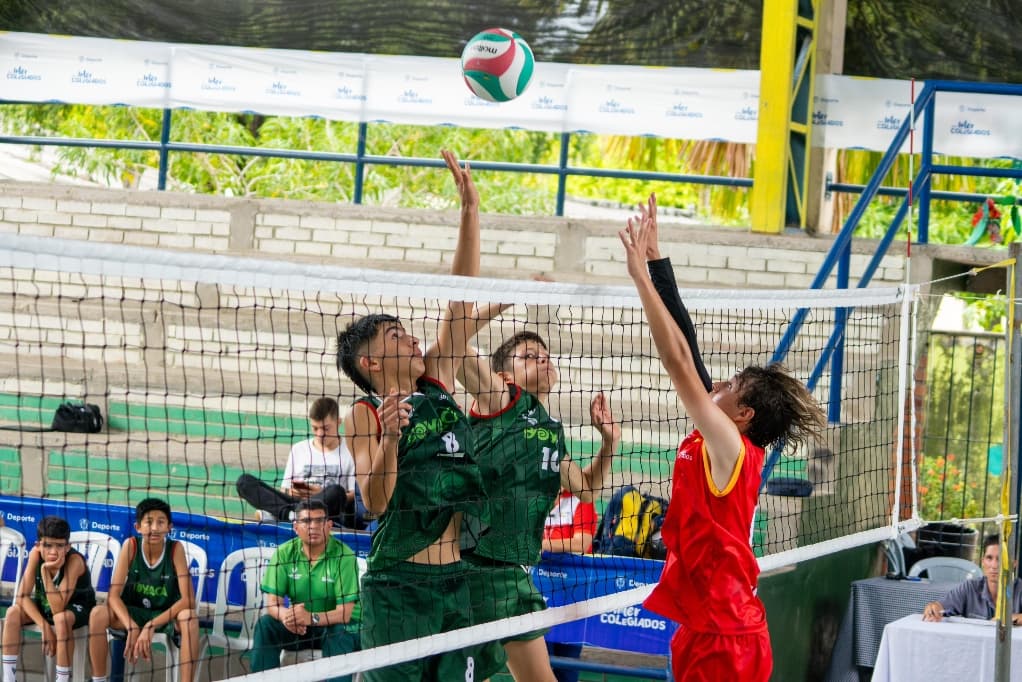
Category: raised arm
[721,435]
[373,439]
[444,358]
[662,274]
[586,483]
[488,388]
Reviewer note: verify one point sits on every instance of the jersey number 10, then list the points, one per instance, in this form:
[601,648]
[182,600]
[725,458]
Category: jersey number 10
[550,462]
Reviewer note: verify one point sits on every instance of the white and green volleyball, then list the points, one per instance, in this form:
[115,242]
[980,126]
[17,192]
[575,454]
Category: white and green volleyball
[497,64]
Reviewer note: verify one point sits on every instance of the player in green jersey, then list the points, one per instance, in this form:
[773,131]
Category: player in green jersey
[521,452]
[150,591]
[55,594]
[415,467]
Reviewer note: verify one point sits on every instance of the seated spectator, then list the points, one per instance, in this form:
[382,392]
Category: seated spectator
[976,597]
[570,527]
[320,468]
[55,593]
[318,575]
[150,591]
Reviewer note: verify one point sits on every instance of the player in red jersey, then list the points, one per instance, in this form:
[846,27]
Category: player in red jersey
[708,584]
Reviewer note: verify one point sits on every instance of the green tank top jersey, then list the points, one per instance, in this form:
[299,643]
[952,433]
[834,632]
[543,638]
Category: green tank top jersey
[437,476]
[519,452]
[82,599]
[155,588]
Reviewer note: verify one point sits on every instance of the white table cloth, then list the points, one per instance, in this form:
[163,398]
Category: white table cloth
[956,649]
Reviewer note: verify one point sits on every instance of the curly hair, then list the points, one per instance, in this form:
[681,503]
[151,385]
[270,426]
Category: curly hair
[785,410]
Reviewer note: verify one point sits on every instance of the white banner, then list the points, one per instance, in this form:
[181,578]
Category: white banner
[683,103]
[861,113]
[282,82]
[694,104]
[42,68]
[982,126]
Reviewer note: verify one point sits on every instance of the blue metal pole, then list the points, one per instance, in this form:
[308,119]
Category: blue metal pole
[837,362]
[924,171]
[360,164]
[161,178]
[977,171]
[562,173]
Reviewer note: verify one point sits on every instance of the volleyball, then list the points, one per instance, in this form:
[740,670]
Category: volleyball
[497,64]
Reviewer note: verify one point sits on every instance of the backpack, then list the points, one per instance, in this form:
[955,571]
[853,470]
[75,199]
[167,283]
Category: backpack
[75,417]
[70,417]
[629,524]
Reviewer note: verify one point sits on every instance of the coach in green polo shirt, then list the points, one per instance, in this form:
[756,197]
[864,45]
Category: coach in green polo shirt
[318,575]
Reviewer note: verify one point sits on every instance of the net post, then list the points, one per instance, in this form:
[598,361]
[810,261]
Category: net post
[1009,540]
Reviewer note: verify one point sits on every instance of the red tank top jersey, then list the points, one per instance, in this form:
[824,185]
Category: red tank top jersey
[709,579]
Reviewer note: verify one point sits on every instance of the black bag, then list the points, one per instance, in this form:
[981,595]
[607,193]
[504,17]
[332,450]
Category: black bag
[74,417]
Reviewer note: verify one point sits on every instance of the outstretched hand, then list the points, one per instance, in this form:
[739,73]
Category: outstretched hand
[603,418]
[636,238]
[463,179]
[648,217]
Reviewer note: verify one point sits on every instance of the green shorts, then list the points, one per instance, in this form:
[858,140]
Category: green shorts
[408,601]
[502,590]
[81,612]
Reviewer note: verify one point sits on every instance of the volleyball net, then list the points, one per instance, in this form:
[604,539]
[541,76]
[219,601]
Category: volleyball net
[204,368]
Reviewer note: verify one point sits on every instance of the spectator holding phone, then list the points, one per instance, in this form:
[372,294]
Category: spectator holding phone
[319,468]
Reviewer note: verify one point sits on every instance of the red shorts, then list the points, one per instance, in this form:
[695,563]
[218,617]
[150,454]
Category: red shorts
[710,657]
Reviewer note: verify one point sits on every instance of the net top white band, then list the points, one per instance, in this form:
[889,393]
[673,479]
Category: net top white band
[64,255]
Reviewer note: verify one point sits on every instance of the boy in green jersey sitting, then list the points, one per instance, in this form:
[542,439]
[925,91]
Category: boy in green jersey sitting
[151,591]
[55,593]
[416,469]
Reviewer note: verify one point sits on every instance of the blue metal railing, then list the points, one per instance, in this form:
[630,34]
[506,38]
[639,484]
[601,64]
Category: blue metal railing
[840,251]
[361,160]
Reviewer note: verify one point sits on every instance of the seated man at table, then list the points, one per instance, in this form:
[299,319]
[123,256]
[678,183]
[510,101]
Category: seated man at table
[976,597]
